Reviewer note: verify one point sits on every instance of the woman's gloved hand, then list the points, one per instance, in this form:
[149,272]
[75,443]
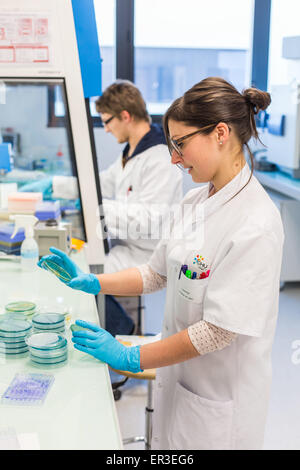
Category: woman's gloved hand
[79,280]
[102,345]
[42,186]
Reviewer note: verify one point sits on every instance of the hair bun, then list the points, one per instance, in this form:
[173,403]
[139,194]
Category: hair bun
[258,99]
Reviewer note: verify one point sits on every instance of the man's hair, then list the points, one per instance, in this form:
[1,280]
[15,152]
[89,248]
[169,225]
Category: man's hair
[123,95]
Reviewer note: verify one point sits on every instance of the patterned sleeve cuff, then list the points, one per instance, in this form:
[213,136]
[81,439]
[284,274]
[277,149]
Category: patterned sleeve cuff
[152,281]
[207,337]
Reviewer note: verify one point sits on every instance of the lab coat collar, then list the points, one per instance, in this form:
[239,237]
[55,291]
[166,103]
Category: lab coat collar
[154,137]
[213,203]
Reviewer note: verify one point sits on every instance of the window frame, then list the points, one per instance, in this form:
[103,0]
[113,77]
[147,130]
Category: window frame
[125,51]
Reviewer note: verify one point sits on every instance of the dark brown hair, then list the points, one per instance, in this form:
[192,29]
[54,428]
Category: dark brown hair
[123,95]
[215,100]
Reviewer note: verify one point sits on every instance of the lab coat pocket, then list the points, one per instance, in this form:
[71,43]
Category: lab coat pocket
[199,423]
[189,300]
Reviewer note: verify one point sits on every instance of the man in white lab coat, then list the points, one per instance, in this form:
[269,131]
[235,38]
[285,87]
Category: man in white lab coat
[137,189]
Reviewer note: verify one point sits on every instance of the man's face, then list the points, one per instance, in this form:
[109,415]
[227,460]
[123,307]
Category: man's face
[117,125]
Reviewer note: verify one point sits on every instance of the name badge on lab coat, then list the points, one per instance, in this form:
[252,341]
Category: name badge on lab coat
[192,289]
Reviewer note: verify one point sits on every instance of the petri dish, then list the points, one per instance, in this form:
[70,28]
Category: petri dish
[57,270]
[14,339]
[46,341]
[14,350]
[48,354]
[14,327]
[20,344]
[52,330]
[21,306]
[56,360]
[41,319]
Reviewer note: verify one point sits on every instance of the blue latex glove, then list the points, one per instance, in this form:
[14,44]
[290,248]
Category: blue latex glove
[42,186]
[81,281]
[102,345]
[77,204]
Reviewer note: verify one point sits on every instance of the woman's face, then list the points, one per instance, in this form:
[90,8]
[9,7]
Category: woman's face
[201,154]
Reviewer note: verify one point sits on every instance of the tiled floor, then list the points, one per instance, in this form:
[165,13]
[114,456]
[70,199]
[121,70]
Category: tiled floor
[283,425]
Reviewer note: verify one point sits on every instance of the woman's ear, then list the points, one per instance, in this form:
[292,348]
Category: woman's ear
[222,133]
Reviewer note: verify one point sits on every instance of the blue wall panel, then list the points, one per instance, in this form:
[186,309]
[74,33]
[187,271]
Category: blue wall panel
[88,46]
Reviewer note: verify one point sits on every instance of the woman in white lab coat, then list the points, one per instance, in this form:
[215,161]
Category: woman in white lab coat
[214,359]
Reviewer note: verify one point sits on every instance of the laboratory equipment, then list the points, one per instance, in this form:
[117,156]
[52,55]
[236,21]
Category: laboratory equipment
[29,248]
[52,233]
[86,282]
[47,348]
[282,136]
[48,321]
[75,327]
[13,331]
[28,389]
[49,85]
[5,190]
[8,244]
[55,269]
[21,307]
[48,210]
[23,203]
[6,164]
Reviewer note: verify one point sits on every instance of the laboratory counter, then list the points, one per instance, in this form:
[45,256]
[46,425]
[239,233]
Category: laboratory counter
[79,410]
[279,182]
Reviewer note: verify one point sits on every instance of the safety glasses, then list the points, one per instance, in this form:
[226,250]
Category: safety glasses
[107,120]
[176,145]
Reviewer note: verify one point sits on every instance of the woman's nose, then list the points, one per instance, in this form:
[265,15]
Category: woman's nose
[175,157]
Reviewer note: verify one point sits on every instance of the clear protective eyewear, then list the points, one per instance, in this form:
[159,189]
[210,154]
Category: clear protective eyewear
[177,144]
[107,120]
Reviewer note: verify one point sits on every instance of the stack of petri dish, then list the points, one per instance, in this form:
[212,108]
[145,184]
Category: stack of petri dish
[22,307]
[14,330]
[47,349]
[54,322]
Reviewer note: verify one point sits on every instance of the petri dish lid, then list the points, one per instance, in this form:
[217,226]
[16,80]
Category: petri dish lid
[57,270]
[12,339]
[48,318]
[16,350]
[46,341]
[20,306]
[20,344]
[14,325]
[48,353]
[54,360]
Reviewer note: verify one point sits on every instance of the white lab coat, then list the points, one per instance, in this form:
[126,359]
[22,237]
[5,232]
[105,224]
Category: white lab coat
[155,185]
[219,400]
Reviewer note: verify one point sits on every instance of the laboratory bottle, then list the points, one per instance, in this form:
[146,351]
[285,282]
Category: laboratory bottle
[29,247]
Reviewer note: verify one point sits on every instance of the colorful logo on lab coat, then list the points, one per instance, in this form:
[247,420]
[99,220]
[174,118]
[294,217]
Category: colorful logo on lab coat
[202,266]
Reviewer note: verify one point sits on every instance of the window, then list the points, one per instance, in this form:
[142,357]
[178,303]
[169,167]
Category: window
[284,23]
[176,47]
[105,12]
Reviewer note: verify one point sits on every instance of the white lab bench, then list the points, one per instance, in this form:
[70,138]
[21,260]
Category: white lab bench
[285,193]
[79,411]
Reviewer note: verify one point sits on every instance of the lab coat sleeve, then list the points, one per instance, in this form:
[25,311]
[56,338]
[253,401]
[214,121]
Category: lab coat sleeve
[242,292]
[160,187]
[158,259]
[108,180]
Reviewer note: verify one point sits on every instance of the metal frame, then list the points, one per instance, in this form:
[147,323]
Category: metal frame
[125,39]
[260,44]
